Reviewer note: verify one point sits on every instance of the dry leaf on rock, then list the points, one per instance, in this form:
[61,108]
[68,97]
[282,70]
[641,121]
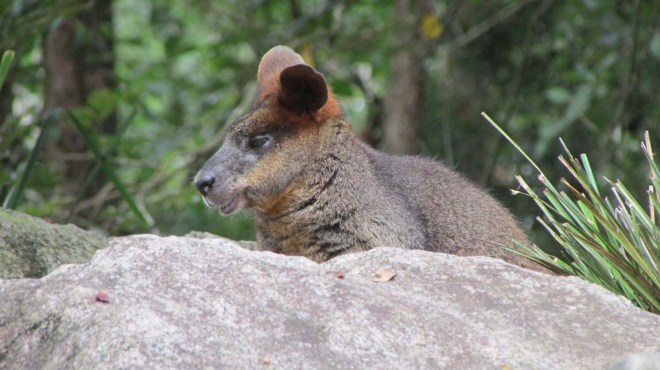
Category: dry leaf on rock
[383,275]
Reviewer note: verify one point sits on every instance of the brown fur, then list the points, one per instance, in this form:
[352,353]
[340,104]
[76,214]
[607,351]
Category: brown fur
[317,191]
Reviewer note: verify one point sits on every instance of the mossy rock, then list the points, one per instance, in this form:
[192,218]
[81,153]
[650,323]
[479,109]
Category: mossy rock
[32,247]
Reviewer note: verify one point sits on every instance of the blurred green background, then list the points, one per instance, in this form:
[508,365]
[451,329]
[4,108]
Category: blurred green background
[154,83]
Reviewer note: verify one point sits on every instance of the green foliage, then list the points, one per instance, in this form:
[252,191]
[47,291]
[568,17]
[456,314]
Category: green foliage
[613,241]
[22,20]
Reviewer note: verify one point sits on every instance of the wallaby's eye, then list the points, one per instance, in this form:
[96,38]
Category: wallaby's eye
[260,141]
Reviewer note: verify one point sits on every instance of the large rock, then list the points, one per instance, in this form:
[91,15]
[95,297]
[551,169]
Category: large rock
[189,303]
[32,247]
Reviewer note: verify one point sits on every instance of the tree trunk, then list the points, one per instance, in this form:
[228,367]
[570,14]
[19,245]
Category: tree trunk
[63,86]
[98,55]
[76,65]
[402,102]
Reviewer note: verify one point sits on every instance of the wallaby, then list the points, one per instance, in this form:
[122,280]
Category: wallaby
[317,191]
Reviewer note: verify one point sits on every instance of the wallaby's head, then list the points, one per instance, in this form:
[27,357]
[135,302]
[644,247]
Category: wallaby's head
[265,150]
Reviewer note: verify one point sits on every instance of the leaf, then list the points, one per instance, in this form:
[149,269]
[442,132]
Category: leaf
[558,95]
[7,58]
[383,275]
[432,28]
[655,46]
[103,102]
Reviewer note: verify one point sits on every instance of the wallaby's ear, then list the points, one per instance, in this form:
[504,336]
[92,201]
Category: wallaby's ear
[304,90]
[300,89]
[271,66]
[275,61]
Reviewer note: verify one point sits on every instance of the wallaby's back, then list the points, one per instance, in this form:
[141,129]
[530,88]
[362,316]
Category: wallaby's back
[460,217]
[317,191]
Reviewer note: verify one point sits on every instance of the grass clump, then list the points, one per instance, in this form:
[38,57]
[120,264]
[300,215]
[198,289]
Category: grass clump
[608,238]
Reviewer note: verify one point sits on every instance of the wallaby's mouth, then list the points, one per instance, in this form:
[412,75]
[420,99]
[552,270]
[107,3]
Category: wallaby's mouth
[231,206]
[226,203]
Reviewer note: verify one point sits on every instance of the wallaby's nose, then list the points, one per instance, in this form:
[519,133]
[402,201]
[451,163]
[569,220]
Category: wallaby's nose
[204,184]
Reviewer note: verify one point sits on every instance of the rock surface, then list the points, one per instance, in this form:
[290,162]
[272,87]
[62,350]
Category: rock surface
[189,303]
[32,247]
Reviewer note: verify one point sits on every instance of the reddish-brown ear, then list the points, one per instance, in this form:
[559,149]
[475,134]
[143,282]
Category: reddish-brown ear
[299,88]
[304,90]
[271,66]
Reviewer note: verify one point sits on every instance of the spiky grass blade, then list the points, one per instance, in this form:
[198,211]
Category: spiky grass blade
[16,193]
[116,139]
[112,175]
